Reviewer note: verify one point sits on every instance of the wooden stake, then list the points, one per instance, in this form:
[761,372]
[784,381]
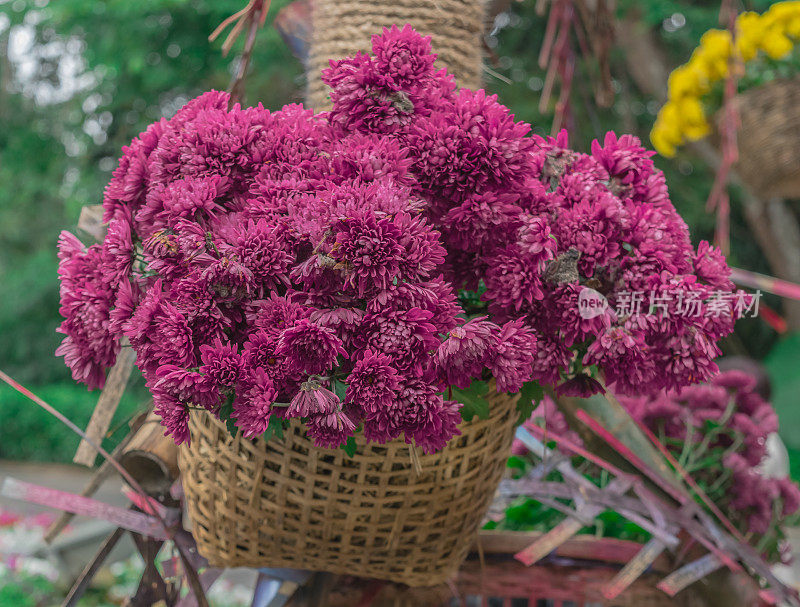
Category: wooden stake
[106,406]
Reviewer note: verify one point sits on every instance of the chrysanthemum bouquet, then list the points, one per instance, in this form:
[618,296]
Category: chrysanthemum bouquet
[764,48]
[372,267]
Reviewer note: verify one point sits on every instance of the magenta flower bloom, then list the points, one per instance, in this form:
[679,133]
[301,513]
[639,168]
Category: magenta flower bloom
[117,255]
[514,279]
[253,408]
[189,198]
[430,421]
[89,346]
[174,417]
[313,399]
[468,349]
[221,364]
[277,313]
[710,266]
[372,383]
[330,430]
[260,353]
[369,251]
[512,360]
[407,337]
[482,221]
[259,246]
[309,347]
[403,55]
[185,385]
[473,145]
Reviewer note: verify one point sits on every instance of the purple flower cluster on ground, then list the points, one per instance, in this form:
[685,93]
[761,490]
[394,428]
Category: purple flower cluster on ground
[310,265]
[725,416]
[719,431]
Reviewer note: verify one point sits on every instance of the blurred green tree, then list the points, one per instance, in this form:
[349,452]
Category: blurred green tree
[78,80]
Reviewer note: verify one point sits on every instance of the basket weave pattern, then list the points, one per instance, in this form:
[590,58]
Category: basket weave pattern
[768,140]
[340,28]
[286,503]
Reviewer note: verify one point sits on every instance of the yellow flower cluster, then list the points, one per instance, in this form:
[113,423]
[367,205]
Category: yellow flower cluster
[683,118]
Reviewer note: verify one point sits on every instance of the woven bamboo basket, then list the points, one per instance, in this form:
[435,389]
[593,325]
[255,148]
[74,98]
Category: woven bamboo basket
[286,503]
[769,138]
[342,27]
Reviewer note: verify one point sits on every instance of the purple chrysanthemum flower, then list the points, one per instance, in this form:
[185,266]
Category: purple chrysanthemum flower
[407,337]
[467,350]
[403,55]
[313,399]
[710,267]
[221,364]
[369,250]
[330,430]
[470,146]
[159,333]
[252,409]
[373,382]
[309,347]
[429,420]
[185,385]
[89,345]
[512,361]
[513,278]
[174,417]
[482,221]
[259,247]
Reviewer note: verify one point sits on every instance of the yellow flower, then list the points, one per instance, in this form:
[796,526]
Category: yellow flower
[793,26]
[692,118]
[696,132]
[687,80]
[666,135]
[749,34]
[777,45]
[683,117]
[669,114]
[781,12]
[662,144]
[716,44]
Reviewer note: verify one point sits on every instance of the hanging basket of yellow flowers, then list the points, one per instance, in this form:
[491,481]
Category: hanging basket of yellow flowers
[765,51]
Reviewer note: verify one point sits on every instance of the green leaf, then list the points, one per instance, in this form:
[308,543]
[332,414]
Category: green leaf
[530,394]
[350,446]
[225,413]
[515,461]
[339,389]
[473,399]
[275,428]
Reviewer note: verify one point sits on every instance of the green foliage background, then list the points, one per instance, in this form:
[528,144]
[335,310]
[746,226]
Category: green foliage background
[142,60]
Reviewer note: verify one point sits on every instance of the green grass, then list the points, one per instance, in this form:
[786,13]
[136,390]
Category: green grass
[28,432]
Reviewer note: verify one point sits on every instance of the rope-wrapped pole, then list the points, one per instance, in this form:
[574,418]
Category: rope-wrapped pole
[342,27]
